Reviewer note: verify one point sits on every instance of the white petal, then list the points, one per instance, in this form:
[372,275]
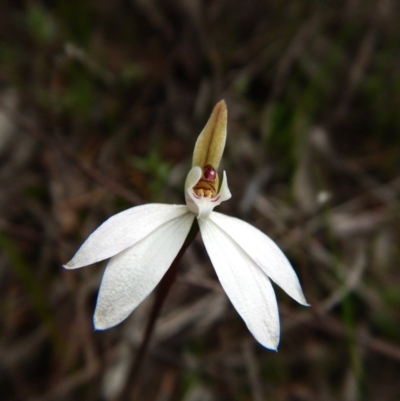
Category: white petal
[202,206]
[246,285]
[264,252]
[224,192]
[192,179]
[122,231]
[132,275]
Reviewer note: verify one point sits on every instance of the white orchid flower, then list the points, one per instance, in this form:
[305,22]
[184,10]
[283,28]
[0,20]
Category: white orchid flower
[143,241]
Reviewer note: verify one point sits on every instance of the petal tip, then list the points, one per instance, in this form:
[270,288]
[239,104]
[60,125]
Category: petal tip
[301,299]
[221,105]
[273,346]
[68,266]
[98,324]
[74,263]
[270,346]
[270,341]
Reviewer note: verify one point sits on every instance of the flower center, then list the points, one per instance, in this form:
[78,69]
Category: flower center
[208,183]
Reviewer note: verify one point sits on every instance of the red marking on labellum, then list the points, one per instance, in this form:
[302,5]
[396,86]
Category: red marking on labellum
[209,173]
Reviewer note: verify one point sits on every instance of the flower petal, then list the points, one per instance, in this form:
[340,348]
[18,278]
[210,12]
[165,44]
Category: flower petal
[224,191]
[132,274]
[264,252]
[246,285]
[122,231]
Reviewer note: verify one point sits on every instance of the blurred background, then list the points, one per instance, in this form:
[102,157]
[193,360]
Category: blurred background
[101,103]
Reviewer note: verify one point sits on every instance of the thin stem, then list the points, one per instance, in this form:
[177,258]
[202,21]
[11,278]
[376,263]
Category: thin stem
[161,293]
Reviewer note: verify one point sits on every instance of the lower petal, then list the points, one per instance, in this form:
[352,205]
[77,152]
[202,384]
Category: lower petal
[246,285]
[264,252]
[131,275]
